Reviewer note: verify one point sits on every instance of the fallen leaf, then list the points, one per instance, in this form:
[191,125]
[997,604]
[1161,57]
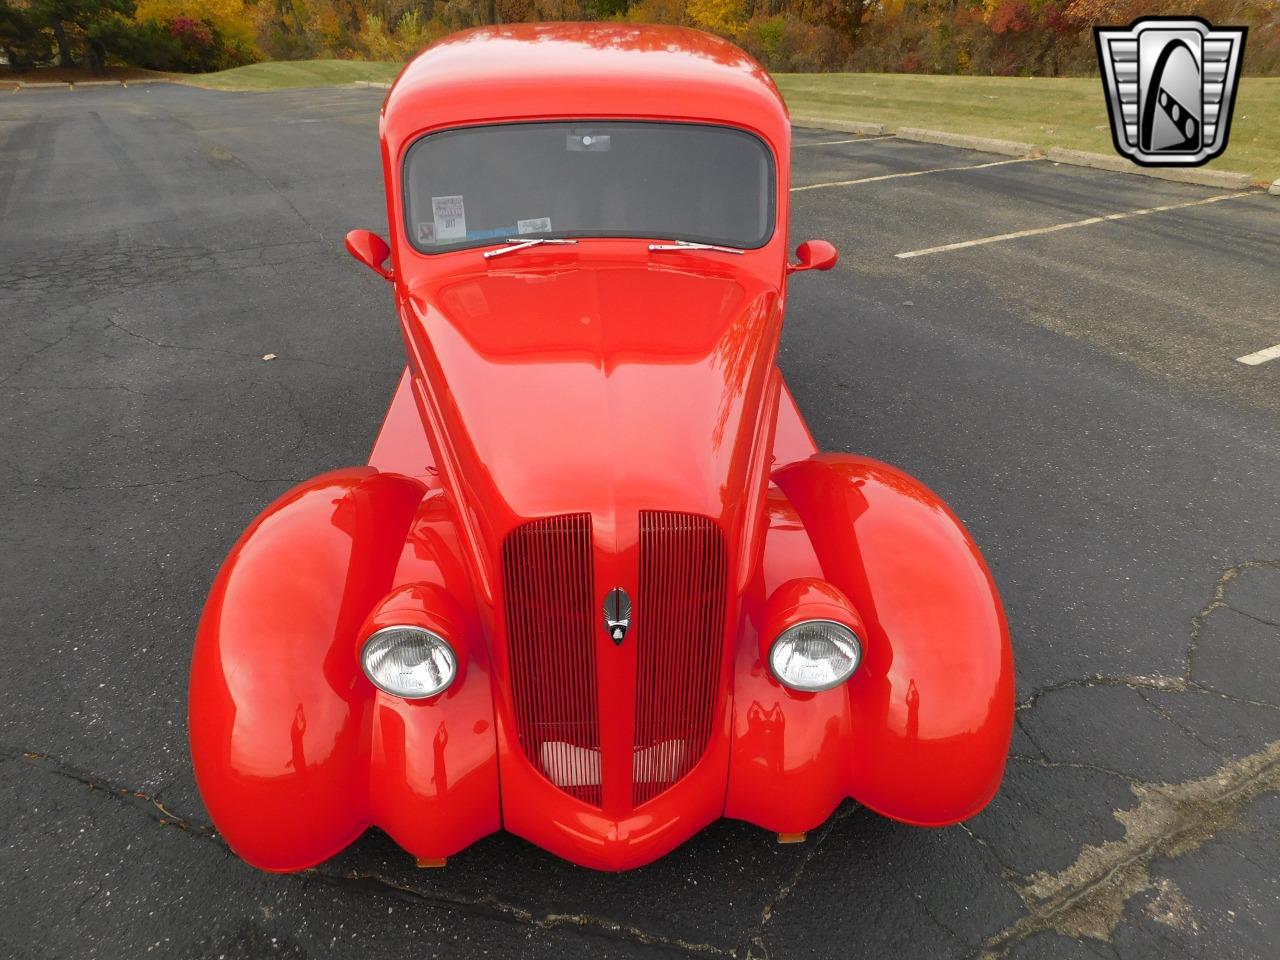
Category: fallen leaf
[268,356]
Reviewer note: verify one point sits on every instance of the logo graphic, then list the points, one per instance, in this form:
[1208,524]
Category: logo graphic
[1170,85]
[617,614]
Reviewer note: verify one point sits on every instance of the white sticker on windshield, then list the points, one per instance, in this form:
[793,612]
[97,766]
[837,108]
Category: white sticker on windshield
[579,142]
[450,218]
[536,225]
[426,233]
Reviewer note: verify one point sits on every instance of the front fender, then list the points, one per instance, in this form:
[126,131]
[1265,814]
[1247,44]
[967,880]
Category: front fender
[295,751]
[930,711]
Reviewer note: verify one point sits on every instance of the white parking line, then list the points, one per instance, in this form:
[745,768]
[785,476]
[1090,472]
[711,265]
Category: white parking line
[1065,226]
[912,173]
[827,143]
[1262,356]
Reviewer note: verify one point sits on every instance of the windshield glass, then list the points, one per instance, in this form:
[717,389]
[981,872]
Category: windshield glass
[476,186]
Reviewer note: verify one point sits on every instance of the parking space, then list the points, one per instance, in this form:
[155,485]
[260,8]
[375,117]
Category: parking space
[1074,394]
[1176,279]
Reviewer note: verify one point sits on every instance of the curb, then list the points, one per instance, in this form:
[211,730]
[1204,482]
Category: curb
[1011,148]
[97,83]
[842,126]
[1275,189]
[1100,161]
[27,85]
[372,83]
[1222,179]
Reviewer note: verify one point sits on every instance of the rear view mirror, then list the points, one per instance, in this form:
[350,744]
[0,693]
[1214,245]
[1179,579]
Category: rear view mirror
[371,250]
[814,255]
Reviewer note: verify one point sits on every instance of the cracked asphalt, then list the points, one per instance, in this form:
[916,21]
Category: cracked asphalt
[1074,395]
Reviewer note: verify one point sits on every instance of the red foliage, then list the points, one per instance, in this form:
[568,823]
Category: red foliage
[1012,16]
[192,31]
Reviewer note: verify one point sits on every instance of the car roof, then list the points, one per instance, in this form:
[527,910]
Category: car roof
[582,70]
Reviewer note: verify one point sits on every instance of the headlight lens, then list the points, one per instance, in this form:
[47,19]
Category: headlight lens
[815,655]
[409,662]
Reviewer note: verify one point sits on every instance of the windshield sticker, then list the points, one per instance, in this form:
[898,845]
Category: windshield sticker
[587,143]
[426,233]
[496,233]
[450,218]
[536,225]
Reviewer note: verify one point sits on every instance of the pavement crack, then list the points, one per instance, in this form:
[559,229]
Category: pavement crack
[1018,719]
[1218,601]
[1073,765]
[1169,717]
[148,803]
[1256,619]
[1201,687]
[1086,901]
[754,945]
[1161,682]
[516,914]
[151,806]
[30,358]
[1007,873]
[1137,682]
[929,912]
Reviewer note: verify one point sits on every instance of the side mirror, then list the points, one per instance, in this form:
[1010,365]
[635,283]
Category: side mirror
[813,255]
[371,250]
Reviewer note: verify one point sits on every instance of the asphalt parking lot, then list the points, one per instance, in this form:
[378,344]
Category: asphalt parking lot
[1074,393]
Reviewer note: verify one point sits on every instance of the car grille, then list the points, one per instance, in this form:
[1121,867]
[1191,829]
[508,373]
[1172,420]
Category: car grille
[549,589]
[552,624]
[682,603]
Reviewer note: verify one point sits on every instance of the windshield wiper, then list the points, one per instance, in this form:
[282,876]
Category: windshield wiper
[517,243]
[688,245]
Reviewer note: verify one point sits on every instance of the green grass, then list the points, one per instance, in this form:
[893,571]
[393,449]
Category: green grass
[278,75]
[1056,112]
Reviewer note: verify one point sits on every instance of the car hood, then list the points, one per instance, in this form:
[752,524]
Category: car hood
[600,388]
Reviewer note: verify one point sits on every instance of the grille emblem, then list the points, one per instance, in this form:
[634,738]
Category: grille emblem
[617,614]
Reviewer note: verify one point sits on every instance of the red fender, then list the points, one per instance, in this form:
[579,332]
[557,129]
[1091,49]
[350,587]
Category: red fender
[284,725]
[920,733]
[931,707]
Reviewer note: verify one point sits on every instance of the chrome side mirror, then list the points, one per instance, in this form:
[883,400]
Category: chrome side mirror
[371,250]
[814,255]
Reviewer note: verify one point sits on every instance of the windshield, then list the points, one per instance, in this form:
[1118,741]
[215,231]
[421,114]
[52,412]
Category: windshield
[476,186]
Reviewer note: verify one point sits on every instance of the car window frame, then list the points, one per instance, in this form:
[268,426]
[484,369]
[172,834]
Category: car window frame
[407,153]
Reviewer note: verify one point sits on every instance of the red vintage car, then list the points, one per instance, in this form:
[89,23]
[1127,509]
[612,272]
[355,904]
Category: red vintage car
[596,585]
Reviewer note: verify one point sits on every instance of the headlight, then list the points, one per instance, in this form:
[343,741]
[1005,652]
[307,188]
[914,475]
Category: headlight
[409,662]
[815,655]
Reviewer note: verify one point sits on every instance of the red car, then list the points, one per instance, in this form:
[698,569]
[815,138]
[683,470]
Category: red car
[596,585]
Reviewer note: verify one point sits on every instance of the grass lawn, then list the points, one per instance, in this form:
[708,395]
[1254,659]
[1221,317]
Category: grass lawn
[1058,112]
[1049,112]
[278,75]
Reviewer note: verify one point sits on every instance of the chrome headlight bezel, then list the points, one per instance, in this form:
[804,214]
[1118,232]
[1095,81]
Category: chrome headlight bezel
[845,637]
[383,641]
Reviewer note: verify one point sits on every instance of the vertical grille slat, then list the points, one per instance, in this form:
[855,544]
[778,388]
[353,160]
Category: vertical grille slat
[680,625]
[549,585]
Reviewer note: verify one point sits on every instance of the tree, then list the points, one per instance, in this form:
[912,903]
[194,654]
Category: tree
[21,39]
[91,24]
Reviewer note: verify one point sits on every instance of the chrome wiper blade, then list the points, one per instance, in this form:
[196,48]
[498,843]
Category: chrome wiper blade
[688,245]
[518,243]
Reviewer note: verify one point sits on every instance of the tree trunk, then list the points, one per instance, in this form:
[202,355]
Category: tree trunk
[65,56]
[97,57]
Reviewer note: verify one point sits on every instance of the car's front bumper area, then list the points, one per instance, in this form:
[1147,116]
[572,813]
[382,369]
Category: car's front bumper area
[296,753]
